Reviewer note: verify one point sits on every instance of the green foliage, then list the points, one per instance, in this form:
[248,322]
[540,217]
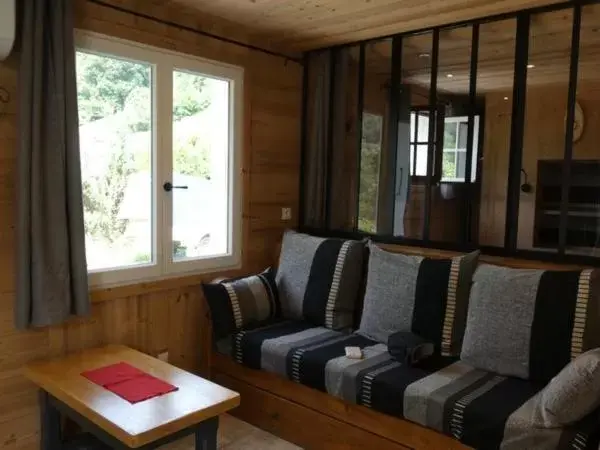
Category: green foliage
[369,172]
[192,158]
[104,194]
[104,84]
[449,165]
[120,92]
[189,95]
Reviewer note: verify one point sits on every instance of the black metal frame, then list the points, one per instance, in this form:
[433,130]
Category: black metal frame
[51,410]
[433,121]
[391,149]
[568,156]
[517,129]
[467,205]
[516,139]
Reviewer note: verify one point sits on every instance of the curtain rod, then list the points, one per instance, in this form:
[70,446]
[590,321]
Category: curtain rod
[200,32]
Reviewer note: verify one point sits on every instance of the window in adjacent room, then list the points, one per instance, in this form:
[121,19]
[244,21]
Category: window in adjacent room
[454,156]
[159,139]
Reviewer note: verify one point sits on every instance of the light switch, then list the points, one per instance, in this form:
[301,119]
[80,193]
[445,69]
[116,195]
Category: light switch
[286,213]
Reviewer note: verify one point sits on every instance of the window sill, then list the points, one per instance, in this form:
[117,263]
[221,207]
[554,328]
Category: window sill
[106,293]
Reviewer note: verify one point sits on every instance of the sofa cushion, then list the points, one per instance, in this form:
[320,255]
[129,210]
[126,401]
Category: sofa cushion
[573,393]
[482,409]
[428,297]
[319,279]
[530,323]
[238,303]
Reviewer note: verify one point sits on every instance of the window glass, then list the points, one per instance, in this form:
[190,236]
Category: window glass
[200,163]
[416,84]
[374,159]
[495,75]
[155,206]
[545,107]
[116,135]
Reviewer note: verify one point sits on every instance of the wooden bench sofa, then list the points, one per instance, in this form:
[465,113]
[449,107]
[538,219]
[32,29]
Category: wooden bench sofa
[317,420]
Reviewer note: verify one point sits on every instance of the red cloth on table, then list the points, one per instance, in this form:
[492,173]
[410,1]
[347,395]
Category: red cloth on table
[129,383]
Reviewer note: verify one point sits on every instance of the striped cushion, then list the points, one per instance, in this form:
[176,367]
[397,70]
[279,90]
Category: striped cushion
[531,323]
[318,279]
[235,304]
[482,409]
[425,296]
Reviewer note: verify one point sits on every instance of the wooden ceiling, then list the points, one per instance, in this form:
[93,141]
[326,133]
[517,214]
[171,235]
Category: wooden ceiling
[299,25]
[549,53]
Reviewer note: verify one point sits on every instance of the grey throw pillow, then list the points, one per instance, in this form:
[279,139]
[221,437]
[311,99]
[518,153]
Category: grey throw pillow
[318,279]
[424,296]
[530,323]
[573,393]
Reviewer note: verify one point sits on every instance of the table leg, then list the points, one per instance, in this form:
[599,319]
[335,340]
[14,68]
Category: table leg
[206,435]
[51,435]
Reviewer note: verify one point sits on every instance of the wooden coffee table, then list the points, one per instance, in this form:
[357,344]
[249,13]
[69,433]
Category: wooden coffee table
[194,408]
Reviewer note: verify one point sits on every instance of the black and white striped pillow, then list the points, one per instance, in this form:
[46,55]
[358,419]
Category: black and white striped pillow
[319,279]
[235,304]
[531,323]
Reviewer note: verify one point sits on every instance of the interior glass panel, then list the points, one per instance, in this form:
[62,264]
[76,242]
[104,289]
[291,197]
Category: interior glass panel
[373,157]
[544,135]
[495,79]
[416,84]
[583,219]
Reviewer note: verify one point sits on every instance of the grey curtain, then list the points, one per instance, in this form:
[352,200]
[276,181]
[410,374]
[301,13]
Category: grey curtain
[51,265]
[331,154]
[316,155]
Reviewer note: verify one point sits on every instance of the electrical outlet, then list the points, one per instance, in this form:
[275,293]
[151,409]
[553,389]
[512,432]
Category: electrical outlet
[286,213]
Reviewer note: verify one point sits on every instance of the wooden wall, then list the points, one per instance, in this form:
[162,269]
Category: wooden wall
[544,139]
[158,316]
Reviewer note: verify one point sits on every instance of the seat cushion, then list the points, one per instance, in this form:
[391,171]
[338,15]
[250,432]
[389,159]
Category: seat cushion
[481,409]
[425,296]
[318,279]
[531,323]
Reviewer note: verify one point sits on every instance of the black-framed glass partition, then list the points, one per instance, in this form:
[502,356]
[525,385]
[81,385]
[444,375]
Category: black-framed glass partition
[480,134]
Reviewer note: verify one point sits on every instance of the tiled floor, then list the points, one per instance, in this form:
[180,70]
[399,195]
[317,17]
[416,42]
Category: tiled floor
[237,435]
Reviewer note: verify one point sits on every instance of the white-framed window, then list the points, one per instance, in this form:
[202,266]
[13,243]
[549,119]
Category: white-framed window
[454,157]
[160,138]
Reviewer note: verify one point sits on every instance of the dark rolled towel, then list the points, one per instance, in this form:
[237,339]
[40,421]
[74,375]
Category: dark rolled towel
[409,348]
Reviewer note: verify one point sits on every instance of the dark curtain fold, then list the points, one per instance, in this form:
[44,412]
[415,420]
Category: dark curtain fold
[51,265]
[344,176]
[316,152]
[330,175]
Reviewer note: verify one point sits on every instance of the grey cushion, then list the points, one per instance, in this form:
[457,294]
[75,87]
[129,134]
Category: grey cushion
[530,323]
[318,279]
[573,393]
[425,296]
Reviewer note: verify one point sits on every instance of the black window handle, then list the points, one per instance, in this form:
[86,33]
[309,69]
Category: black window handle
[168,186]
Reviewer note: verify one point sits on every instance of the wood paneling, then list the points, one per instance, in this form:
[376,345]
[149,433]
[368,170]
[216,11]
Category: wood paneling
[288,420]
[544,139]
[313,24]
[156,316]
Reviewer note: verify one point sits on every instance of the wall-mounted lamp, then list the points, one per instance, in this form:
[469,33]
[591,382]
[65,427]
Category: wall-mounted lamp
[526,187]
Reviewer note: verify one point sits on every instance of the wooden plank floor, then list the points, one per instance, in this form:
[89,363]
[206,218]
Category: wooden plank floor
[237,435]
